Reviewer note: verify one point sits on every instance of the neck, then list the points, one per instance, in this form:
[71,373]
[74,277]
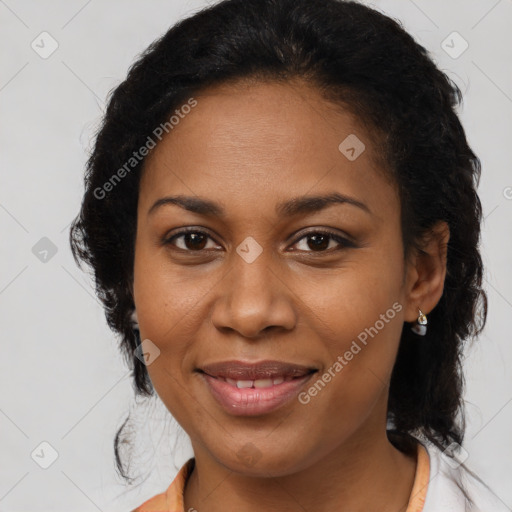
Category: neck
[359,475]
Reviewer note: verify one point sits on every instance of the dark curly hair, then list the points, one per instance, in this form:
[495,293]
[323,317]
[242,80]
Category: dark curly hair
[367,63]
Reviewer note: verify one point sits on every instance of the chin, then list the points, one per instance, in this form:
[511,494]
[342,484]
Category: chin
[259,461]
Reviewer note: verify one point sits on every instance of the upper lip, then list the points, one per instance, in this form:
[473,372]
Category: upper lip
[240,370]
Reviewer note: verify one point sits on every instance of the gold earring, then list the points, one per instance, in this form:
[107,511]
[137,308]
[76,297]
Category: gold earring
[420,327]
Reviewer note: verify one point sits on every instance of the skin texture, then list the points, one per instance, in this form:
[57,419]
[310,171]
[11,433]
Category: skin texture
[249,147]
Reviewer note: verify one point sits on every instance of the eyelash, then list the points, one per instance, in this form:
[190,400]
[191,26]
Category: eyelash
[345,243]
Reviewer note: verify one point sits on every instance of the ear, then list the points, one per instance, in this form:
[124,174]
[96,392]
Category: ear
[426,271]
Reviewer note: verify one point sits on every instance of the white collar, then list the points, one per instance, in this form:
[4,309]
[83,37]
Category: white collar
[454,488]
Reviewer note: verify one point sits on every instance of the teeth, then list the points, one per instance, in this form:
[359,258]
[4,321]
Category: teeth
[263,383]
[260,383]
[244,383]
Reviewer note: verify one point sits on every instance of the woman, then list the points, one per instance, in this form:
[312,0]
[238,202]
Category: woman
[282,218]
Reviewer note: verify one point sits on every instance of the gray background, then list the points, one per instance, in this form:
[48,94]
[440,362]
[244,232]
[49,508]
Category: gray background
[62,379]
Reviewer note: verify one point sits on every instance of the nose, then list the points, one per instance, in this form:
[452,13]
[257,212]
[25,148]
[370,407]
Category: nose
[253,298]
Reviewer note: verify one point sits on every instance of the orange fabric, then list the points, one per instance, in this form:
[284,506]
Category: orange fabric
[172,499]
[420,486]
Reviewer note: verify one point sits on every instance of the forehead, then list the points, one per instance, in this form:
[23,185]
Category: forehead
[265,141]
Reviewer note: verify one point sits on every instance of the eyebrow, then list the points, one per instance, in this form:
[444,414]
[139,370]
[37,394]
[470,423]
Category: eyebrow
[289,208]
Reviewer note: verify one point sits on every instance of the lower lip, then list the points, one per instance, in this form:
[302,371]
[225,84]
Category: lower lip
[253,401]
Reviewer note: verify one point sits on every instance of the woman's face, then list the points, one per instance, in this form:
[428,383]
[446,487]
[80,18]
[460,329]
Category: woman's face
[262,281]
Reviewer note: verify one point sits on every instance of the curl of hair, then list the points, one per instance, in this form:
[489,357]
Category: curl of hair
[365,62]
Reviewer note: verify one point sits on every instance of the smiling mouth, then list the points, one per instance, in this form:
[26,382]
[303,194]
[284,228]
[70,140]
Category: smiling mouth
[257,397]
[246,388]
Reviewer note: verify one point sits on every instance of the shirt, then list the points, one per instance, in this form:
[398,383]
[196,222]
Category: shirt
[172,499]
[441,484]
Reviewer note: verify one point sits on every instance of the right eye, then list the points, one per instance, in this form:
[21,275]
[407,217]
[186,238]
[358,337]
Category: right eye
[193,240]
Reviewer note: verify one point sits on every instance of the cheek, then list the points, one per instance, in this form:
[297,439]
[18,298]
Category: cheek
[165,293]
[168,309]
[361,333]
[365,294]
[357,315]
[361,347]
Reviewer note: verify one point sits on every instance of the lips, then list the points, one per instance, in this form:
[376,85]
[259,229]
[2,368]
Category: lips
[262,374]
[254,389]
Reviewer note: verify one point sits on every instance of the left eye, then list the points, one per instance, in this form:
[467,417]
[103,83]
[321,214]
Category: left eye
[320,241]
[194,240]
